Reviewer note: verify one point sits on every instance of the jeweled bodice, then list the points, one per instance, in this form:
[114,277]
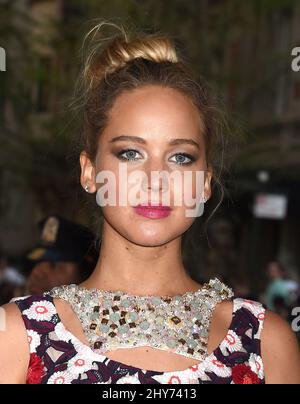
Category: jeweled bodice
[115,319]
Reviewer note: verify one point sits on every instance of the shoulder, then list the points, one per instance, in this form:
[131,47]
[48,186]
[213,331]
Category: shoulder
[280,351]
[14,347]
[22,321]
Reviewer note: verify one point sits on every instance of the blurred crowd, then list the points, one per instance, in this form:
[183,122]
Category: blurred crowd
[65,253]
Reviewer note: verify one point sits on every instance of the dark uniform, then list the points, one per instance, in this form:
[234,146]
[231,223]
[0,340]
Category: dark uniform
[66,253]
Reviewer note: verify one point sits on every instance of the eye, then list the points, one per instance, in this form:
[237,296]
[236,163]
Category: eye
[128,155]
[183,158]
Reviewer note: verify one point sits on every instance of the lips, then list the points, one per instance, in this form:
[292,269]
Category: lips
[154,206]
[153,210]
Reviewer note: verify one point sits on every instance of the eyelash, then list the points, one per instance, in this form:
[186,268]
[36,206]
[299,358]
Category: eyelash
[119,155]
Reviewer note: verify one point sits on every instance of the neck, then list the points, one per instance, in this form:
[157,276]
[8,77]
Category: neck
[140,270]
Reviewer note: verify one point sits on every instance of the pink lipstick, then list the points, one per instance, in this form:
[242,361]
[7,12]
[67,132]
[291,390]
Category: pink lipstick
[153,211]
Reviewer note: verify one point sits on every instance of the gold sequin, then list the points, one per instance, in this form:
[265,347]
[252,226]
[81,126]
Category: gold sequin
[176,320]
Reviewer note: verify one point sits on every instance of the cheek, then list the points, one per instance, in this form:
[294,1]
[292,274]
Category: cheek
[187,192]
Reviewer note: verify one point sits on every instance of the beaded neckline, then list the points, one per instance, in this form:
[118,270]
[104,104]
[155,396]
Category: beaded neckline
[142,297]
[116,319]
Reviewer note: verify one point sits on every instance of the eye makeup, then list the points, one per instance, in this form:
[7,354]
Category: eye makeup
[128,151]
[131,156]
[186,156]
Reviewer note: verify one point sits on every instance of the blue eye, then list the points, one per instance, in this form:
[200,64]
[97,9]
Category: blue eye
[129,154]
[184,159]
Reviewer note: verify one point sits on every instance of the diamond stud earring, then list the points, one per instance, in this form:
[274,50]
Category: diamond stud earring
[87,188]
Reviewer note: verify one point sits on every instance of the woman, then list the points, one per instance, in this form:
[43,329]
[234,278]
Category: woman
[140,318]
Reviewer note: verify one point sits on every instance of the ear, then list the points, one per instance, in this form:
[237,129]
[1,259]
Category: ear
[88,176]
[207,183]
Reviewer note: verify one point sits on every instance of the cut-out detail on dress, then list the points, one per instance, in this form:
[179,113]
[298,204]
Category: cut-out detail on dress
[115,319]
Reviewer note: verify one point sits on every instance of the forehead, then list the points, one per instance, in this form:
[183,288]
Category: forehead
[154,111]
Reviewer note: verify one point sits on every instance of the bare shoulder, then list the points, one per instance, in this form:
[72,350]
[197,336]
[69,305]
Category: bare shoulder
[14,347]
[280,351]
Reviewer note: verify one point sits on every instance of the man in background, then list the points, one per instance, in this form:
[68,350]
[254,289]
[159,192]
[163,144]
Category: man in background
[65,254]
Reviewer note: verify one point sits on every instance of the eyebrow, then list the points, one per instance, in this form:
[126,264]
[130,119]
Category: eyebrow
[173,142]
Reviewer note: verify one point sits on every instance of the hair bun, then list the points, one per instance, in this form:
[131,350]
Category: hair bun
[102,58]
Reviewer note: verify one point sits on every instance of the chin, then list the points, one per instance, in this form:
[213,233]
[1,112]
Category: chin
[151,237]
[147,232]
[146,241]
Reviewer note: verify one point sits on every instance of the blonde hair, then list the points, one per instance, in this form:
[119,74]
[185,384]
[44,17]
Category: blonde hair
[122,49]
[129,59]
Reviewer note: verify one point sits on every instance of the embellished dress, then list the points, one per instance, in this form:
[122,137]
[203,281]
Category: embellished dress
[109,319]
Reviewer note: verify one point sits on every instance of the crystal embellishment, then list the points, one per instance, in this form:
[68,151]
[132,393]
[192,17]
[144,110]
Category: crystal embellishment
[115,319]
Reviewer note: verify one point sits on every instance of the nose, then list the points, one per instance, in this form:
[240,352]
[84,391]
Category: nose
[156,178]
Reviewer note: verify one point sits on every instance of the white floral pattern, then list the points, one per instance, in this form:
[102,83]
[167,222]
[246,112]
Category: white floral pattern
[231,343]
[256,364]
[219,368]
[40,311]
[62,333]
[174,380]
[80,364]
[128,380]
[60,378]
[34,340]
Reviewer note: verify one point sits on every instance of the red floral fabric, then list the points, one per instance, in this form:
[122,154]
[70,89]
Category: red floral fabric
[36,370]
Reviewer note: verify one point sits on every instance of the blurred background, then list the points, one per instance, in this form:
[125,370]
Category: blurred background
[244,49]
